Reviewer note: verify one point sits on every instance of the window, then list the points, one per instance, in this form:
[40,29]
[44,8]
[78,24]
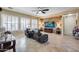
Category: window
[34,23]
[9,22]
[14,23]
[25,23]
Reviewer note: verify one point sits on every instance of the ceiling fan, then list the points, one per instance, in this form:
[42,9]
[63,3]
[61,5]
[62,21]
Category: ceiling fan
[40,10]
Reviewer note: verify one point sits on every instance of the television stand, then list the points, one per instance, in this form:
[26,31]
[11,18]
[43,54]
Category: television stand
[48,30]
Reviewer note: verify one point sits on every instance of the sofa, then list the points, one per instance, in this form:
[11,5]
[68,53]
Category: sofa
[36,35]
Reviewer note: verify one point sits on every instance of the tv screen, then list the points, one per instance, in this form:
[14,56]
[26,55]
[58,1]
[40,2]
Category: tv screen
[50,25]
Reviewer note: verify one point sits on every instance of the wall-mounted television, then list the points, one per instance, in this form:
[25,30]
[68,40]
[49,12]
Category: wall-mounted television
[50,25]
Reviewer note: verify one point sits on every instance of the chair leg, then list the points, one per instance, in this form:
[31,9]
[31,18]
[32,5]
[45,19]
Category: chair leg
[14,49]
[14,44]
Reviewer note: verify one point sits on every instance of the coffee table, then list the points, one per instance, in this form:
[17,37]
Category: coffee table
[7,44]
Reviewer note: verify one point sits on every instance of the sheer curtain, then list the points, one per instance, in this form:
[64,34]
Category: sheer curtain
[25,23]
[34,23]
[14,23]
[9,22]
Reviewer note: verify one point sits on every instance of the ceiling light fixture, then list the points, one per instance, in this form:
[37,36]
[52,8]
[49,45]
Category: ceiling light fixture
[40,10]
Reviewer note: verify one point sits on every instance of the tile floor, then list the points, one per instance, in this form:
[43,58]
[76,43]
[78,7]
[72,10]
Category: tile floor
[56,43]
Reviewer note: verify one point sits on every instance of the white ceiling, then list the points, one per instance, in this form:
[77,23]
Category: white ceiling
[29,10]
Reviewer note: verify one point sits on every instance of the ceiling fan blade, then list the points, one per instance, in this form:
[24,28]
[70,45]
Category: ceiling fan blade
[45,10]
[10,7]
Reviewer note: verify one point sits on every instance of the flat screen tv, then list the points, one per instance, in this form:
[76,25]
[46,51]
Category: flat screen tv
[50,25]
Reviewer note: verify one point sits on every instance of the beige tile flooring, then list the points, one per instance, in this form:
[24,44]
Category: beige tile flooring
[56,43]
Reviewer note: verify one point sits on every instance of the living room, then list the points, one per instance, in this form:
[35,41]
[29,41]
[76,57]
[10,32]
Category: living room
[56,22]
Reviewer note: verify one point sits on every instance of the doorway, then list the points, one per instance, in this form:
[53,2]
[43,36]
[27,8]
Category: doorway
[69,23]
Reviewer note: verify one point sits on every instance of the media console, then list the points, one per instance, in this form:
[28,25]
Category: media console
[48,30]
